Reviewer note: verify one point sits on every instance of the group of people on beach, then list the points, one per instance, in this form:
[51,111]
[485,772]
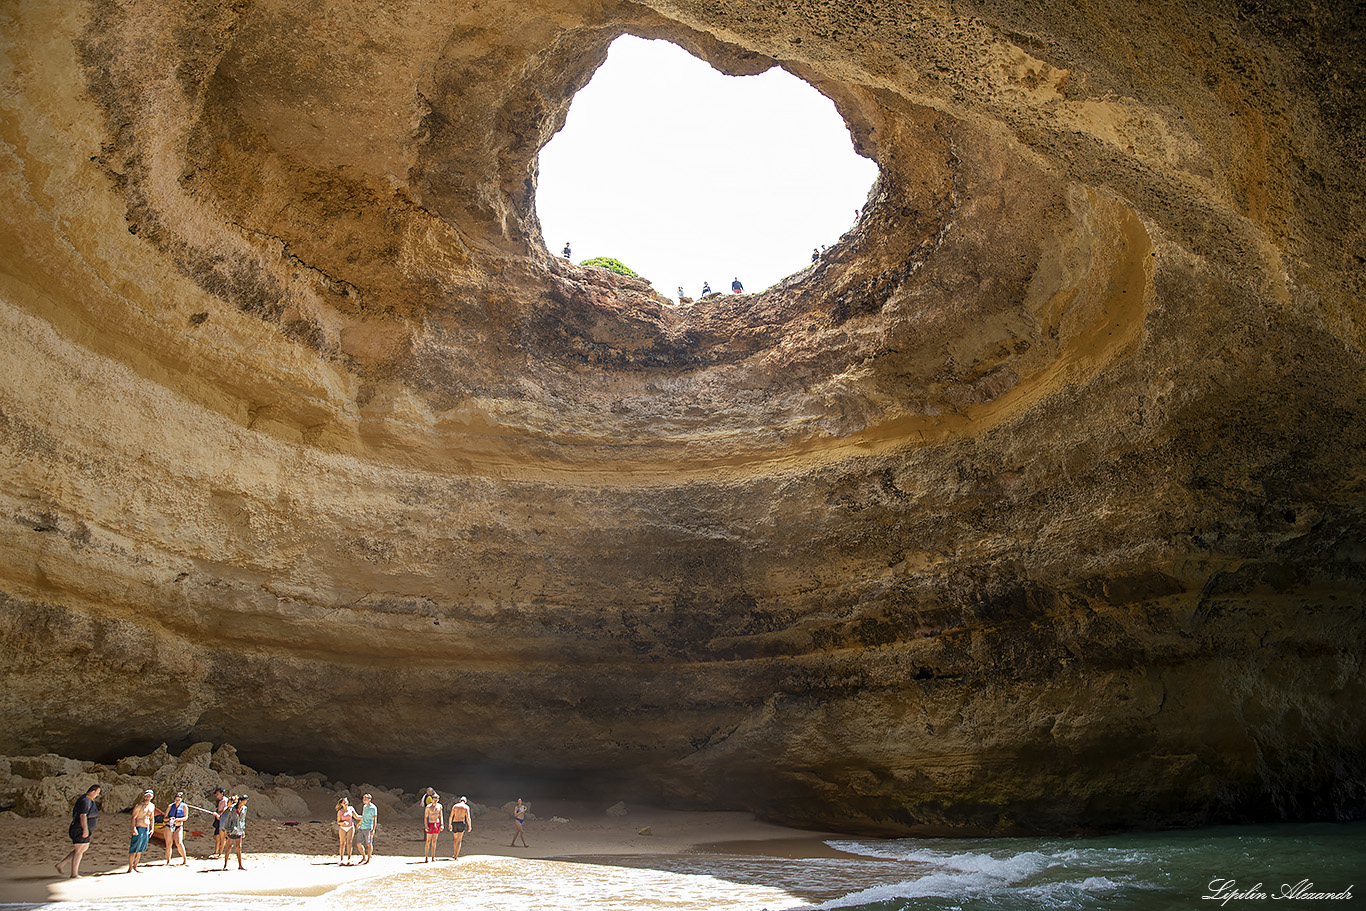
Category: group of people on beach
[229,827]
[355,827]
[459,822]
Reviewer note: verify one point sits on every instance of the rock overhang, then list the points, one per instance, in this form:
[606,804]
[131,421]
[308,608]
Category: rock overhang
[368,206]
[835,515]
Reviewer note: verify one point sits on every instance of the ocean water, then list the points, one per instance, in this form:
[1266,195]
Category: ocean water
[1233,867]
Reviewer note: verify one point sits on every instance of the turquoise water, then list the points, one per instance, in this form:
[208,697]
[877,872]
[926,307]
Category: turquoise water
[1143,872]
[1137,872]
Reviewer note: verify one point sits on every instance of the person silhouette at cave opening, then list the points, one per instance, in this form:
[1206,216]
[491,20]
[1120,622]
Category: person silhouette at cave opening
[678,170]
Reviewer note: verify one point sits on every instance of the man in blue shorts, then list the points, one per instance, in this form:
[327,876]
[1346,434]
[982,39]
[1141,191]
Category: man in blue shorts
[365,829]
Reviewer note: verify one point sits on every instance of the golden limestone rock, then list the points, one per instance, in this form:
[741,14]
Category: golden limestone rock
[1036,505]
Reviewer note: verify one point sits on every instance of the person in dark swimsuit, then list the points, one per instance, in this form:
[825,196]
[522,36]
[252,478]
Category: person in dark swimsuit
[176,814]
[83,816]
[518,817]
[462,821]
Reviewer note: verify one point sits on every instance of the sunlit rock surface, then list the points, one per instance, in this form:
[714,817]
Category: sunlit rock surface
[1037,505]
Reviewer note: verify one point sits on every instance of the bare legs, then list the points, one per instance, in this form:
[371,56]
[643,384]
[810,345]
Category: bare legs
[77,852]
[431,847]
[366,847]
[345,835]
[135,857]
[227,852]
[177,839]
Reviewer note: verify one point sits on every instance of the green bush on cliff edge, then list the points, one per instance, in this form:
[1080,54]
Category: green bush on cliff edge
[607,262]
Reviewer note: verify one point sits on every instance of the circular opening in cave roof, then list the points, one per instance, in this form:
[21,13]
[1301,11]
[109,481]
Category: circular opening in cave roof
[687,175]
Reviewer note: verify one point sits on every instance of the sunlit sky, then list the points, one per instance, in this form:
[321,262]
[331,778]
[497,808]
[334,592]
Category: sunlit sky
[687,175]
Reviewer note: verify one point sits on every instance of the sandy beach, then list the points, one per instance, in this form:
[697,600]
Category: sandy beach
[297,856]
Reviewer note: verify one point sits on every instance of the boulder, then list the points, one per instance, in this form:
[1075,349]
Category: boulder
[385,801]
[198,753]
[247,782]
[225,760]
[617,809]
[48,765]
[43,799]
[288,804]
[261,806]
[145,766]
[197,781]
[52,796]
[120,797]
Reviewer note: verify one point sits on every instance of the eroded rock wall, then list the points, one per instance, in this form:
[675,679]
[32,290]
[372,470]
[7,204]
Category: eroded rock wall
[1036,506]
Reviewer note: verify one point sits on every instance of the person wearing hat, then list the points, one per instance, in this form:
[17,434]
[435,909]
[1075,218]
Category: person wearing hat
[175,828]
[434,822]
[234,828]
[143,818]
[462,822]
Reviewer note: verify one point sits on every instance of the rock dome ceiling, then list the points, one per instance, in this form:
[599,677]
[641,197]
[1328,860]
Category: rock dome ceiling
[1035,506]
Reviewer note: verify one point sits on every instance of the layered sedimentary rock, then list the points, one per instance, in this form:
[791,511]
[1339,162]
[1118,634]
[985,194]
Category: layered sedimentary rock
[1035,506]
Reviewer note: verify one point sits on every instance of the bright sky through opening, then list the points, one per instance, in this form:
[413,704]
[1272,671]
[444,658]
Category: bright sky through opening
[687,175]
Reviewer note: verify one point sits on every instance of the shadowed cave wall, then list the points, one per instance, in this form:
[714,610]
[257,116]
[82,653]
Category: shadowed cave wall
[1035,506]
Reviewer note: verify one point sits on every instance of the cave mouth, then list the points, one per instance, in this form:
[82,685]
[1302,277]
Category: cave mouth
[687,174]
